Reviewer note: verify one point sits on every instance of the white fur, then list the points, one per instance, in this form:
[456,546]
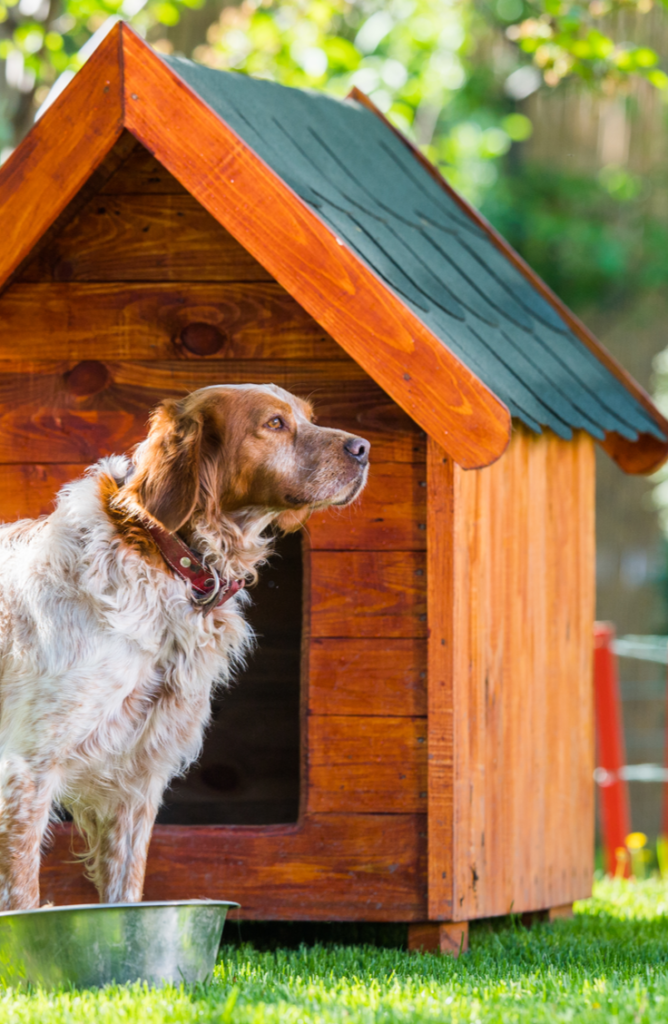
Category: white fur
[106,677]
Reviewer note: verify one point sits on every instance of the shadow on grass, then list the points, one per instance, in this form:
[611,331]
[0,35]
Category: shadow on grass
[590,943]
[267,936]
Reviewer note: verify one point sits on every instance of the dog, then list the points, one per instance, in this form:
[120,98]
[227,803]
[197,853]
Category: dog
[122,611]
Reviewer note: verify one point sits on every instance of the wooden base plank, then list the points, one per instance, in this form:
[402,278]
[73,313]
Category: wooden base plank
[448,937]
[330,867]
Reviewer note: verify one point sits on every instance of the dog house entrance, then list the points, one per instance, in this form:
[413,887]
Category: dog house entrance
[248,773]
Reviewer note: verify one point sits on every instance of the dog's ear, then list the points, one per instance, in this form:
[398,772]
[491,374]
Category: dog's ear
[166,482]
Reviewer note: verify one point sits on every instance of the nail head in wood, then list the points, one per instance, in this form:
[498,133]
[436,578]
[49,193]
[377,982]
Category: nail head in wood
[202,339]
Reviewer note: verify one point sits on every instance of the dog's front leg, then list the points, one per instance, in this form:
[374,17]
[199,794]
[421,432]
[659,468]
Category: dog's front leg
[120,850]
[25,803]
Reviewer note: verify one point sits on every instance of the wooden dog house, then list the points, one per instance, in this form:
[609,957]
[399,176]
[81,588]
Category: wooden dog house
[415,742]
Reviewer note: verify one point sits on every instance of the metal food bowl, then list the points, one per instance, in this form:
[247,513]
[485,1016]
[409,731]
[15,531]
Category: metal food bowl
[92,945]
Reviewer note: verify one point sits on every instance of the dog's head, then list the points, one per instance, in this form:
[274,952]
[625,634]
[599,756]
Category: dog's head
[230,448]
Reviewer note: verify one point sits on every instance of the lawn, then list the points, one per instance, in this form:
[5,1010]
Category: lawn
[610,963]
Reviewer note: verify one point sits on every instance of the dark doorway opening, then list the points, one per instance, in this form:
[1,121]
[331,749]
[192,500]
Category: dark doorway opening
[248,773]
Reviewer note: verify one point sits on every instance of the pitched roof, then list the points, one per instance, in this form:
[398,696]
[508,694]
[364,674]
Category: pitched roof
[409,280]
[368,188]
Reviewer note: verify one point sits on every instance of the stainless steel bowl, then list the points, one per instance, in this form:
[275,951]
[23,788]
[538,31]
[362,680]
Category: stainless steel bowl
[93,945]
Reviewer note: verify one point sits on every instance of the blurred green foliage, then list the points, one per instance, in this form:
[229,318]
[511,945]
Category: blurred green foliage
[447,73]
[429,65]
[575,39]
[595,239]
[450,73]
[48,37]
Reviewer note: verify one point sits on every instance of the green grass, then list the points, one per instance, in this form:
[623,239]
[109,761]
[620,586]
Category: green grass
[610,963]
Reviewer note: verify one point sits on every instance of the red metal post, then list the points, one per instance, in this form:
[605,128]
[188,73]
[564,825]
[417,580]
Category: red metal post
[664,816]
[613,791]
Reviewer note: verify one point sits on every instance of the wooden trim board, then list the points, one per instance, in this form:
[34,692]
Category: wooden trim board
[342,294]
[646,454]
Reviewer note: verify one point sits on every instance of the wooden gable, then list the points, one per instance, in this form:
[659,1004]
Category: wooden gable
[125,85]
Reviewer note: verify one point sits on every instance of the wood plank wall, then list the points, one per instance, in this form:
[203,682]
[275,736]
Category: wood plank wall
[93,337]
[510,702]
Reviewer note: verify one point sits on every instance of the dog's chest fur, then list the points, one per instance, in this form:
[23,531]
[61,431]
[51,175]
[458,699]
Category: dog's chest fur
[107,668]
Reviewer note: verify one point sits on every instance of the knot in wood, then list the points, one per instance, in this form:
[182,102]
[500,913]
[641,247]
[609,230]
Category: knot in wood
[87,378]
[202,339]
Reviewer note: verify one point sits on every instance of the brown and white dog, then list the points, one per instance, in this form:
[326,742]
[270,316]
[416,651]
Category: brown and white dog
[107,661]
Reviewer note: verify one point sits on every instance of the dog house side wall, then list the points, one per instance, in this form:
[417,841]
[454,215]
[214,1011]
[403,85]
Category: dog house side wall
[511,566]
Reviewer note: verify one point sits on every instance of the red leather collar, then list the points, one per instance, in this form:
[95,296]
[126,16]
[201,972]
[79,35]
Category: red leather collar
[208,590]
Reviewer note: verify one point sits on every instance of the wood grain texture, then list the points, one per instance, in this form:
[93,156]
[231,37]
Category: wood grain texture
[91,187]
[144,238]
[141,173]
[347,867]
[368,677]
[641,456]
[289,240]
[144,321]
[391,513]
[28,491]
[43,420]
[59,153]
[645,455]
[450,939]
[521,631]
[369,764]
[368,594]
[440,608]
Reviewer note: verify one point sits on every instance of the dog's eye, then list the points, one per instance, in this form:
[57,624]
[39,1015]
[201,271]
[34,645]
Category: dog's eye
[275,423]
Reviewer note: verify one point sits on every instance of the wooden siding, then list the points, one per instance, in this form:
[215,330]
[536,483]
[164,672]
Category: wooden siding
[100,316]
[506,577]
[510,695]
[368,676]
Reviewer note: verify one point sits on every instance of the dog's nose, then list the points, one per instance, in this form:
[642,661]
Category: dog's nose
[358,448]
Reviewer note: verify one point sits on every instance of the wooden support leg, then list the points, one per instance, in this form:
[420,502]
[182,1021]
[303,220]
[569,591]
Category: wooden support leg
[557,913]
[532,917]
[450,937]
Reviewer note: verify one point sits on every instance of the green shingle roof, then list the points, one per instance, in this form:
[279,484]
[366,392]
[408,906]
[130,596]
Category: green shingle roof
[369,189]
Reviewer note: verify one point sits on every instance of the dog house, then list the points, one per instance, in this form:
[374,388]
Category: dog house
[413,740]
